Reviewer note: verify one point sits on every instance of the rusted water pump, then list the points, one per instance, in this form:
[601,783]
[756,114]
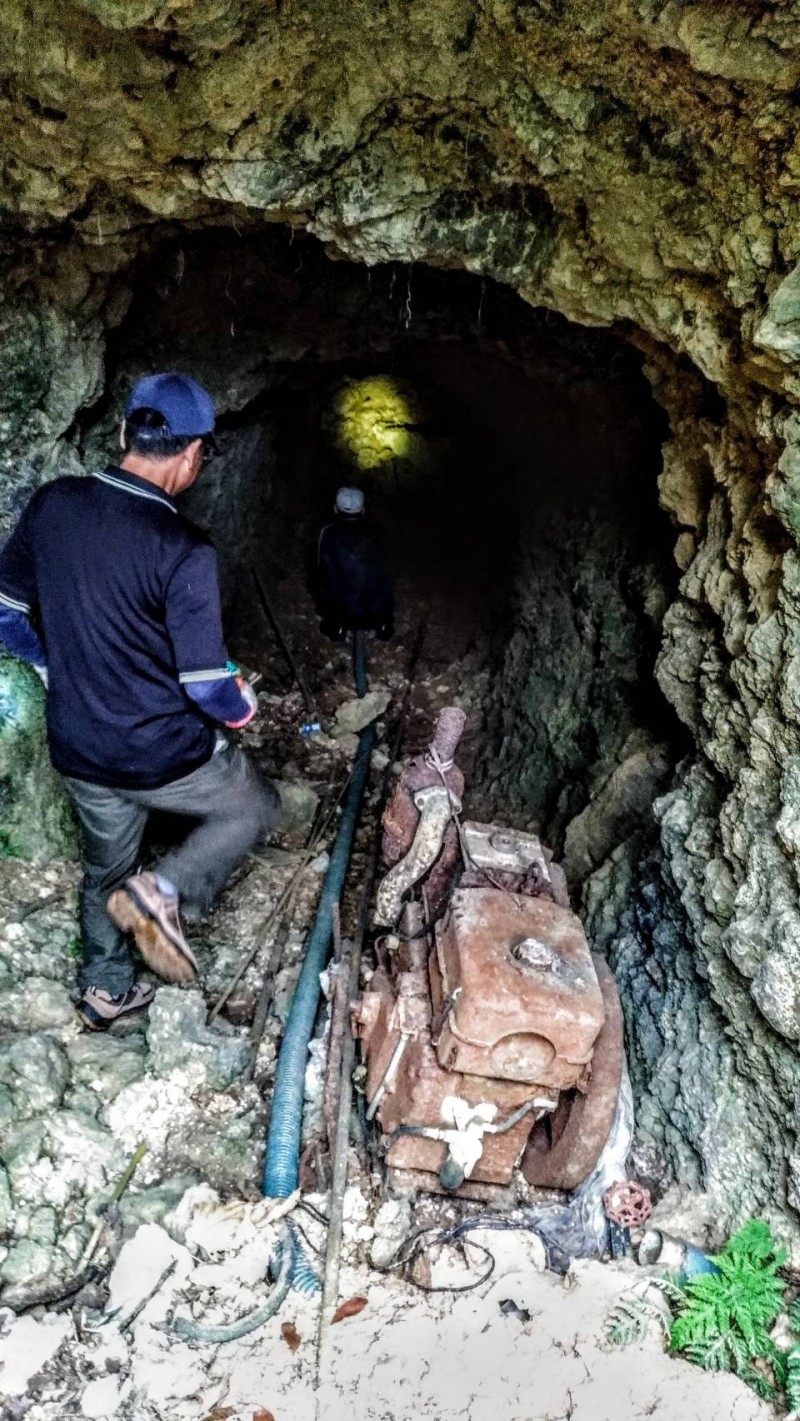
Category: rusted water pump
[492,1039]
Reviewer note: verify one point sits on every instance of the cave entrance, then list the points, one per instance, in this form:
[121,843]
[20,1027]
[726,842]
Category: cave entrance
[511,458]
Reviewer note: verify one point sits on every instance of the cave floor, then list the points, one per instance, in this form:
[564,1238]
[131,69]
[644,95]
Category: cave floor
[404,1355]
[74,1107]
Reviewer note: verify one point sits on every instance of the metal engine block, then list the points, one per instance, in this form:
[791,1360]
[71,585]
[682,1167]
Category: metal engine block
[471,1039]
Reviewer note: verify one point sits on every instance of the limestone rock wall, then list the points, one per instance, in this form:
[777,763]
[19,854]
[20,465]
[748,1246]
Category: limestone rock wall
[35,815]
[635,164]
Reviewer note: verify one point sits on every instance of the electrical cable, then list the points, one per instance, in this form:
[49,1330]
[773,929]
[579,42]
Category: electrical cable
[440,1236]
[425,1239]
[313,1211]
[313,1247]
[435,1132]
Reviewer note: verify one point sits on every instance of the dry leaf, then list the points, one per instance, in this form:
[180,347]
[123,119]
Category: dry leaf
[290,1335]
[349,1309]
[263,1416]
[221,1413]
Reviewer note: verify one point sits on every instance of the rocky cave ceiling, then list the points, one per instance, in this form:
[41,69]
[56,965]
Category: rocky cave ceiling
[634,165]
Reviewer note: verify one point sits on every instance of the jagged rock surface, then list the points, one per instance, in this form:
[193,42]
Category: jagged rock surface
[74,1107]
[636,165]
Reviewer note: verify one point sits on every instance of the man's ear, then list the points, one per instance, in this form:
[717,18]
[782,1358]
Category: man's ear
[122,436]
[189,466]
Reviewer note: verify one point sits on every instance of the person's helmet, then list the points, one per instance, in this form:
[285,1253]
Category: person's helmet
[349,500]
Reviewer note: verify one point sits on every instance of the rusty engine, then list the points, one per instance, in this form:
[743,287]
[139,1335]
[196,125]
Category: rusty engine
[492,1037]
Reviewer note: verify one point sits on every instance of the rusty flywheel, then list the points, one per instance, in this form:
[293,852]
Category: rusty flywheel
[564,1147]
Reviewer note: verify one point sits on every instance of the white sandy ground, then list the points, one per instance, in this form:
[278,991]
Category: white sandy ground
[407,1355]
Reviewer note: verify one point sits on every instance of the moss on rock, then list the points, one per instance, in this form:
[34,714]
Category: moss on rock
[35,816]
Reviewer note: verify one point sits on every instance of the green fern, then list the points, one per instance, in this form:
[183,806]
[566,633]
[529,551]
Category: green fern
[723,1318]
[791,1370]
[759,1382]
[629,1320]
[673,1289]
[725,1353]
[721,1321]
[9,849]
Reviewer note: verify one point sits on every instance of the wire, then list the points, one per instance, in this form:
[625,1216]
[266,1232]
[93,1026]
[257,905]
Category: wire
[424,931]
[313,1211]
[461,1287]
[418,1248]
[425,1239]
[306,1240]
[491,1129]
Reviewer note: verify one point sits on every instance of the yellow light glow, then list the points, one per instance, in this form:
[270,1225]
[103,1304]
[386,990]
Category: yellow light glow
[374,418]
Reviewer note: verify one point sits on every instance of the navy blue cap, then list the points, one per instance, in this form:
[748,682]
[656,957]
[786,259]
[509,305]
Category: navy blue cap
[187,408]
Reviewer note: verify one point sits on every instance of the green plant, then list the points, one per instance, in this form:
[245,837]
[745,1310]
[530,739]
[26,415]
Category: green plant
[791,1379]
[8,848]
[628,1321]
[723,1319]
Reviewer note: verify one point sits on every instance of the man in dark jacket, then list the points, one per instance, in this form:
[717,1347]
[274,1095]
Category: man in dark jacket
[354,589]
[112,596]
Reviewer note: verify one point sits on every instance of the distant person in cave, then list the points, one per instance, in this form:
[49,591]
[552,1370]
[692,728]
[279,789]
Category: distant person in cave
[112,596]
[353,585]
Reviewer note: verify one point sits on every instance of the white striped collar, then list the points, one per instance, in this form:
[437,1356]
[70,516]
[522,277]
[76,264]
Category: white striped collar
[12,602]
[129,483]
[187,677]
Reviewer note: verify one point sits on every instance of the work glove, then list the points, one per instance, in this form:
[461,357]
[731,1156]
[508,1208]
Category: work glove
[251,700]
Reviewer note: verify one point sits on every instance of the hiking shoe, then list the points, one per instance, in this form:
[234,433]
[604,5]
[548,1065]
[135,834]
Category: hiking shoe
[153,917]
[98,1010]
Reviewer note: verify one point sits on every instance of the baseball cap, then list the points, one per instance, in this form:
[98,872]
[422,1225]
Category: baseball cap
[349,500]
[186,407]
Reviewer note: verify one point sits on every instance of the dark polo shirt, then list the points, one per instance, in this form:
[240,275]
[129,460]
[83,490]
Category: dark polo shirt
[123,592]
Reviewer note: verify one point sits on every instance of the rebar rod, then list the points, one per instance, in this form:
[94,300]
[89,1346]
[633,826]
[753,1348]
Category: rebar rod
[291,659]
[330,1281]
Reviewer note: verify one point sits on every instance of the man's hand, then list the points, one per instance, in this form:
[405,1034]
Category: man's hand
[251,700]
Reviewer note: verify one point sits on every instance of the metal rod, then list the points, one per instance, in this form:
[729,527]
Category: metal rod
[330,1281]
[330,1284]
[284,645]
[119,1189]
[282,903]
[388,1075]
[127,1322]
[360,663]
[340,1010]
[267,992]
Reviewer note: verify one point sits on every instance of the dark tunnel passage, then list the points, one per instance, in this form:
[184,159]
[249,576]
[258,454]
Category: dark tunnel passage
[510,457]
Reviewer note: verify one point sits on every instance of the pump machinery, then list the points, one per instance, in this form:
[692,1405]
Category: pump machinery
[492,1037]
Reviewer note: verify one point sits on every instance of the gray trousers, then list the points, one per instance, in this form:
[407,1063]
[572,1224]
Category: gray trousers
[233,807]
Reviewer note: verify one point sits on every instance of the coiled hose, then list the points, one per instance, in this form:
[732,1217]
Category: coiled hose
[282,1162]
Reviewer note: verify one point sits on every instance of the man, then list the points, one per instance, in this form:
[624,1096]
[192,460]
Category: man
[112,596]
[354,588]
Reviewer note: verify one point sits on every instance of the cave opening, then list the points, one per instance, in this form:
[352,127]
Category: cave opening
[510,457]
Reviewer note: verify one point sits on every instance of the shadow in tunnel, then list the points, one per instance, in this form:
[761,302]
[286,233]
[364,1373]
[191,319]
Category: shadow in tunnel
[510,456]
